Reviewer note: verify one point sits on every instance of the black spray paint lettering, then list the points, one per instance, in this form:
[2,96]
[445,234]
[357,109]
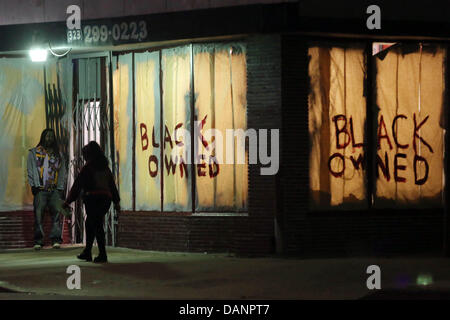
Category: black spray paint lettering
[345,136]
[169,163]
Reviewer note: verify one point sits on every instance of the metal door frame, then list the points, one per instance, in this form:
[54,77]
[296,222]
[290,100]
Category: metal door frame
[106,126]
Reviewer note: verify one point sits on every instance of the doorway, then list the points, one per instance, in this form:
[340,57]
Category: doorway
[92,120]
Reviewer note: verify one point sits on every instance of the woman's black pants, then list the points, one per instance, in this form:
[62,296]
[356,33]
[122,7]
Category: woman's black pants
[96,208]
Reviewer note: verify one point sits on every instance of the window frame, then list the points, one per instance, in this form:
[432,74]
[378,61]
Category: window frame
[162,212]
[371,125]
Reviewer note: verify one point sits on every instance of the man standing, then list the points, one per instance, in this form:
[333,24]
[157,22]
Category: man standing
[47,176]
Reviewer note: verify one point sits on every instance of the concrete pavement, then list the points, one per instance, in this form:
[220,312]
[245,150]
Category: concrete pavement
[138,274]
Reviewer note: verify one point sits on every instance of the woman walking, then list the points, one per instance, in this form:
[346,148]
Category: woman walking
[97,183]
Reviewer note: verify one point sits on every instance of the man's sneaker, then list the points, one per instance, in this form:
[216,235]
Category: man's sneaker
[37,247]
[56,245]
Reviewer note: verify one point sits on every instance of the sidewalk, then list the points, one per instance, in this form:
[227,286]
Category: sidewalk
[136,274]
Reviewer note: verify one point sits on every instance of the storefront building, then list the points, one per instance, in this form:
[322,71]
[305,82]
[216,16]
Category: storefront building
[352,143]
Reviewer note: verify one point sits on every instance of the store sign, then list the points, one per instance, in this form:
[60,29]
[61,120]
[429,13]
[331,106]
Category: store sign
[117,33]
[110,32]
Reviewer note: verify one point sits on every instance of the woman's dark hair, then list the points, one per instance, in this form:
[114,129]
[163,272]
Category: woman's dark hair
[93,154]
[54,146]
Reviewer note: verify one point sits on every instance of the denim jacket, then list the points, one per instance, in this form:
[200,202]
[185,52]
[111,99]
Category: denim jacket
[33,173]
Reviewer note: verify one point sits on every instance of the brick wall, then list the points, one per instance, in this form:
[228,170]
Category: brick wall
[243,235]
[336,233]
[17,230]
[294,178]
[252,234]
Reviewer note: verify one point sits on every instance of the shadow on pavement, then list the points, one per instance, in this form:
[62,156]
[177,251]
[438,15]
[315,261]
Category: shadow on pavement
[143,270]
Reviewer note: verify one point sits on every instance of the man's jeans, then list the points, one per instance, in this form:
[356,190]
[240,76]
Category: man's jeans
[41,201]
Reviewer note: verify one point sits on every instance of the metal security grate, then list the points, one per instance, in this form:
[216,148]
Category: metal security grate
[54,112]
[90,122]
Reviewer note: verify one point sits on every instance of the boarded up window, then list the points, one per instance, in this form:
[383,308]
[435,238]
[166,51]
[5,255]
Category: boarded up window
[410,137]
[176,69]
[406,143]
[148,120]
[22,109]
[221,102]
[165,99]
[123,129]
[337,115]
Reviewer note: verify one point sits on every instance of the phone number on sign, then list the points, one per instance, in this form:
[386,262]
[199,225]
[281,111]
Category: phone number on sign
[92,34]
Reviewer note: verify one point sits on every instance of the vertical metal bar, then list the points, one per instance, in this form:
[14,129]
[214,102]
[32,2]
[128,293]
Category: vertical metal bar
[78,135]
[371,125]
[45,97]
[161,128]
[134,134]
[62,140]
[94,117]
[81,110]
[230,53]
[81,131]
[94,105]
[91,114]
[78,165]
[111,114]
[80,120]
[75,106]
[192,106]
[48,106]
[54,105]
[76,225]
[446,220]
[88,96]
[75,156]
[213,112]
[55,111]
[92,108]
[111,136]
[79,159]
[87,111]
[97,96]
